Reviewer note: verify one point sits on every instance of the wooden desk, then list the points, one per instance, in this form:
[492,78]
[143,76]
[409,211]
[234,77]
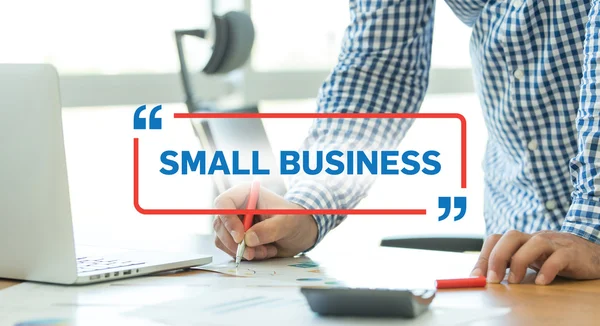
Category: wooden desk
[562,303]
[6,283]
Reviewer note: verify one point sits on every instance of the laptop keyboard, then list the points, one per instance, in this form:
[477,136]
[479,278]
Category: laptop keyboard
[91,264]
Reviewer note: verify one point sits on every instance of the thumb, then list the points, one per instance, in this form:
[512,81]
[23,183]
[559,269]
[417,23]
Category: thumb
[267,231]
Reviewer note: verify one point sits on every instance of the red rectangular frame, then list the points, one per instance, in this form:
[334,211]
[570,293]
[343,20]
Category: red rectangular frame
[154,211]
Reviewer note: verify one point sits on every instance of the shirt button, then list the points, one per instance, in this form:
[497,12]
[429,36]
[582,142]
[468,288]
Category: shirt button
[519,74]
[517,3]
[532,145]
[551,205]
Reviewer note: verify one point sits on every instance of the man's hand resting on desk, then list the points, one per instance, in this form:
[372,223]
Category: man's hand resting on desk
[548,252]
[271,235]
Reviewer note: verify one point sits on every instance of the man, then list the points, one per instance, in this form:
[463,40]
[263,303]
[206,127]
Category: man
[536,73]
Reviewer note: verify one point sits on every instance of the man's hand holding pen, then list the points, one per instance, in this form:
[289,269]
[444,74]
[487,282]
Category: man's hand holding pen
[270,235]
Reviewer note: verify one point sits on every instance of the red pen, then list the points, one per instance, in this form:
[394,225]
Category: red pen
[470,282]
[248,218]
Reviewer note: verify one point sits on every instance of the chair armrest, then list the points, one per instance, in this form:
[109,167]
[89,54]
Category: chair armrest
[460,243]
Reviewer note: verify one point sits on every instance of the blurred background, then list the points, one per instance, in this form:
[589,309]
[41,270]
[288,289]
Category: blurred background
[116,55]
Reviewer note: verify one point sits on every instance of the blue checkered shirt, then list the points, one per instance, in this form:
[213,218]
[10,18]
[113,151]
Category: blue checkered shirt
[535,67]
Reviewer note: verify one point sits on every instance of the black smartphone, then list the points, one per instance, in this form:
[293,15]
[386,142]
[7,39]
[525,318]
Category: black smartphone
[368,302]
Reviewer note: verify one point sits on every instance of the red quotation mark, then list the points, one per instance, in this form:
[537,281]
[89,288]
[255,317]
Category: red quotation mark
[171,211]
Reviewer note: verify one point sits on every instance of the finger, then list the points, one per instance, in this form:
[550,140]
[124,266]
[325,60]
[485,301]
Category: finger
[268,231]
[235,195]
[272,251]
[220,245]
[265,252]
[537,246]
[222,234]
[249,253]
[557,262]
[235,198]
[234,227]
[232,199]
[481,265]
[502,253]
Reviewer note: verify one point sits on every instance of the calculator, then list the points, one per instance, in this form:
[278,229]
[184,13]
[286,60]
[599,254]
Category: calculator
[368,302]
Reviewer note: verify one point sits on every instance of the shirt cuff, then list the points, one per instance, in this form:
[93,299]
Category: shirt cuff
[315,195]
[583,220]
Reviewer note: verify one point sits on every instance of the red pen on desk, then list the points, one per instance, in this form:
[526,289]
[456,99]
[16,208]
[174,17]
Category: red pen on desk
[248,218]
[470,282]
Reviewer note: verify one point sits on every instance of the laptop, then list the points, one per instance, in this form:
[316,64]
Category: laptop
[36,228]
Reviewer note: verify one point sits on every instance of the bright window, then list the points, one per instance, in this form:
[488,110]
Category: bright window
[107,37]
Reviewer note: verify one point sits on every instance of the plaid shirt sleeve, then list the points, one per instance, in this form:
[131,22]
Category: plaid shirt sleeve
[383,67]
[583,217]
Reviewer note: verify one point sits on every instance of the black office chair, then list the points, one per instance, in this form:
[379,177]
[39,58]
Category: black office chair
[453,243]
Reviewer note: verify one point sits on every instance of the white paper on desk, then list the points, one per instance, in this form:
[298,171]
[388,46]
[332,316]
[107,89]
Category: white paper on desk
[301,271]
[284,307]
[203,280]
[97,304]
[81,305]
[28,302]
[71,316]
[128,292]
[104,294]
[350,272]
